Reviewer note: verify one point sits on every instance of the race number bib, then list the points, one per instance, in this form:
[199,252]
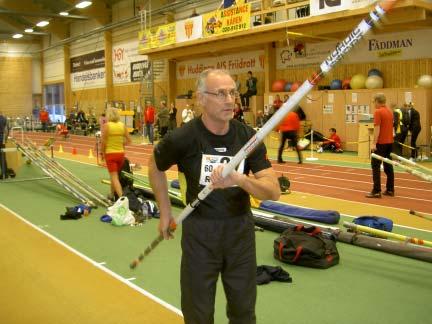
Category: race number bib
[211,162]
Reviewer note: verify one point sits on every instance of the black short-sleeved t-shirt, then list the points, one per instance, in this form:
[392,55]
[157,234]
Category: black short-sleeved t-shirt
[197,151]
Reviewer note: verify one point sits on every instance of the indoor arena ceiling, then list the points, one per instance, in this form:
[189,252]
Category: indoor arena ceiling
[18,15]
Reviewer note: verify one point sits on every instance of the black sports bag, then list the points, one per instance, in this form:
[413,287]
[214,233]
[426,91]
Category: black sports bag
[306,246]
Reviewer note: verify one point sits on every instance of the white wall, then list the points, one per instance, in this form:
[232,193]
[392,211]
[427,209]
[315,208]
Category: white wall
[36,74]
[11,49]
[53,67]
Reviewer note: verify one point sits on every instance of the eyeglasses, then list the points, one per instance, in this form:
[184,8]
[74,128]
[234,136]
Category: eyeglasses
[222,94]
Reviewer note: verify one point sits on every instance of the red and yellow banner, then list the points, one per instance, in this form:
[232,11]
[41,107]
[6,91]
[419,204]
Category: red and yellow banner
[230,20]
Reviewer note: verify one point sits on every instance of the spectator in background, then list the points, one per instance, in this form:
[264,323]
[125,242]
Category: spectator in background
[289,128]
[163,118]
[44,119]
[251,85]
[3,137]
[259,119]
[62,130]
[414,128]
[194,14]
[382,145]
[149,119]
[333,143]
[238,113]
[172,117]
[102,121]
[114,137]
[400,126]
[285,99]
[187,114]
[277,103]
[237,82]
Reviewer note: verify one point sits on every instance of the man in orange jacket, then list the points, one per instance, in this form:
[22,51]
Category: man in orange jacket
[289,128]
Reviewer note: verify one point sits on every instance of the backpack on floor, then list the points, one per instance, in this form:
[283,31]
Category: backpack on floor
[306,246]
[380,223]
[284,184]
[124,180]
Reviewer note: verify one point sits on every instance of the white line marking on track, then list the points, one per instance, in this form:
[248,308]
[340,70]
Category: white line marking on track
[356,181]
[349,189]
[86,258]
[102,263]
[296,178]
[368,175]
[130,279]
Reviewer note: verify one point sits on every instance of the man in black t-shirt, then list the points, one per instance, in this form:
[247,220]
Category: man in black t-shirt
[218,236]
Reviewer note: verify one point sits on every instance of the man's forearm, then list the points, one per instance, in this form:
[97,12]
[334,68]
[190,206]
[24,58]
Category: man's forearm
[376,134]
[263,188]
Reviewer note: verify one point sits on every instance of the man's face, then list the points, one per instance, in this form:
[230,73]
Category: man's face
[219,108]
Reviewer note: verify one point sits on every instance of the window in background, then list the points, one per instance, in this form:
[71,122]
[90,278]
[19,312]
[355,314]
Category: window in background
[54,102]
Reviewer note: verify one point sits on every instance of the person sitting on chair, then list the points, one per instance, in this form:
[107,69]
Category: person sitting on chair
[251,84]
[333,143]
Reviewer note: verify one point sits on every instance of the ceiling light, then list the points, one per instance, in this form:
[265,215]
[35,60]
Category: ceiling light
[83,4]
[64,13]
[28,30]
[17,36]
[42,23]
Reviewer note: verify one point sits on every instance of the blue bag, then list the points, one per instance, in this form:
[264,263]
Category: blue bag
[380,223]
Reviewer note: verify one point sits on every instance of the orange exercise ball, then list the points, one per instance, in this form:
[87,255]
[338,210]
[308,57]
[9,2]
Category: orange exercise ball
[295,86]
[278,85]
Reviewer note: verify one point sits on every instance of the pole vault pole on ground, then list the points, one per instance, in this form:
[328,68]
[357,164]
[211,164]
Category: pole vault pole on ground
[341,49]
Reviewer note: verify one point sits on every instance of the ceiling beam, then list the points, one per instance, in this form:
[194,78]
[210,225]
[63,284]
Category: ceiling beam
[99,10]
[55,27]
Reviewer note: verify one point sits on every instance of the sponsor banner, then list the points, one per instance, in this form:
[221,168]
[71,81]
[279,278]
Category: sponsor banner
[94,78]
[231,20]
[145,40]
[321,7]
[374,48]
[123,55]
[139,70]
[189,29]
[88,61]
[165,35]
[236,63]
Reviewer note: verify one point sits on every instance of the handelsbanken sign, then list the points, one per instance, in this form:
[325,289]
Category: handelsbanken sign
[88,61]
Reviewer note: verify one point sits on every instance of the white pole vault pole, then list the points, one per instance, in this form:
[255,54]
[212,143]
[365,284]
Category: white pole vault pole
[341,49]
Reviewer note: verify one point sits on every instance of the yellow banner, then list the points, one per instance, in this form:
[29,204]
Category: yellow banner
[145,39]
[231,20]
[165,35]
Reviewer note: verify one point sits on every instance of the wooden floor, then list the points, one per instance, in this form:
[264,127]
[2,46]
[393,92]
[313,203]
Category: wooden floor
[36,287]
[41,260]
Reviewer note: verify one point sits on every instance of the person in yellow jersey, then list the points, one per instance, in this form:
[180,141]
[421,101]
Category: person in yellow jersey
[114,137]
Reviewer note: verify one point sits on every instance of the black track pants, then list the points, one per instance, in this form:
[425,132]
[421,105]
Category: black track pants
[212,247]
[383,150]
